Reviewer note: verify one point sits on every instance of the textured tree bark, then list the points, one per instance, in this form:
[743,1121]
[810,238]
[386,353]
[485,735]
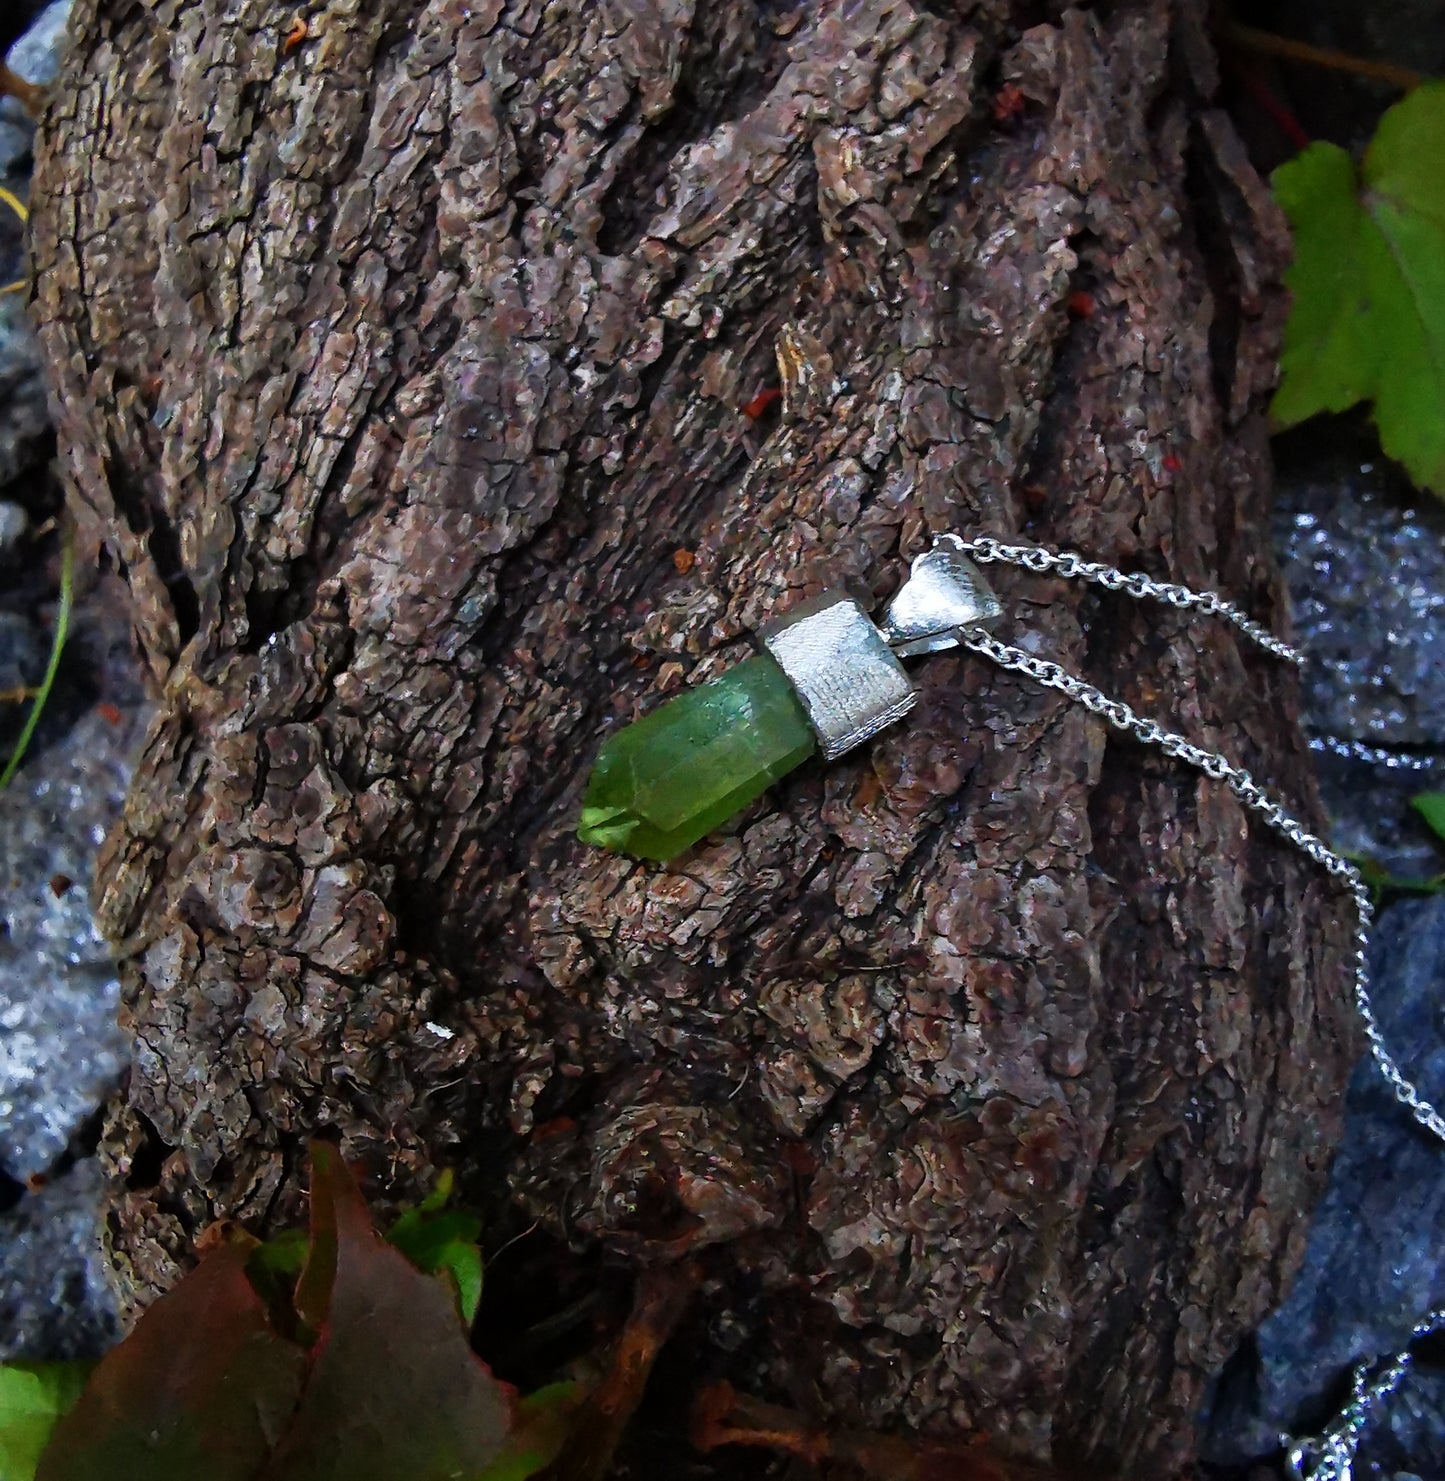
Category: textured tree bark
[998,1065]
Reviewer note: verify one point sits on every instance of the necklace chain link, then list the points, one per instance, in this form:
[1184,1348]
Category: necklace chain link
[985,549]
[1330,1455]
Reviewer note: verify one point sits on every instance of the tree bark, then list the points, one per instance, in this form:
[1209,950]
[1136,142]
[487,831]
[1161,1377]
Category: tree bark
[998,1065]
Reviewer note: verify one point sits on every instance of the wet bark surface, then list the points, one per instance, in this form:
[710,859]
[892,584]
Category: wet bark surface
[993,1069]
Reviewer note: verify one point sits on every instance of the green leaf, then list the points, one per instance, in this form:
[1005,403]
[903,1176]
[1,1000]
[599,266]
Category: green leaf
[201,1387]
[33,1396]
[441,1195]
[1382,884]
[1431,807]
[438,1240]
[1368,280]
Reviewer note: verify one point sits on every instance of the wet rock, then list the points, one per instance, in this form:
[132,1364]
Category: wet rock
[13,524]
[1374,1263]
[61,1050]
[1366,566]
[1409,1440]
[36,57]
[24,420]
[22,659]
[1364,557]
[17,132]
[54,1301]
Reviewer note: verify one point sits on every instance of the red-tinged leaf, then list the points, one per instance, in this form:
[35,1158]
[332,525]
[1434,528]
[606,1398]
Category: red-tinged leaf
[395,1392]
[201,1388]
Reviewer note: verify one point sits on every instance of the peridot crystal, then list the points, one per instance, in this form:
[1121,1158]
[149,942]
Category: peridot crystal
[669,779]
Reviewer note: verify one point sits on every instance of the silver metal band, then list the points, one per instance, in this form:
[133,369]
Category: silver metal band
[847,677]
[846,671]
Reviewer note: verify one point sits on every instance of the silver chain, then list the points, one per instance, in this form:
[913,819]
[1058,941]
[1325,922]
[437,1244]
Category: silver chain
[1330,1455]
[1356,750]
[1254,797]
[984,549]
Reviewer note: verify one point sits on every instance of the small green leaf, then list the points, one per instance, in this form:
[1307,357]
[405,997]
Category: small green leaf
[33,1396]
[444,1243]
[439,1241]
[1431,807]
[272,1269]
[1382,884]
[1368,319]
[282,1255]
[441,1195]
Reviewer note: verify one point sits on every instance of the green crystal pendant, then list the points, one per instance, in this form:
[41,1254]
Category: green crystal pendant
[669,779]
[827,680]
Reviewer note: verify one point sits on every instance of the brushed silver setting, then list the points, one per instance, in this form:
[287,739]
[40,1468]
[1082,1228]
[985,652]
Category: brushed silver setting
[843,670]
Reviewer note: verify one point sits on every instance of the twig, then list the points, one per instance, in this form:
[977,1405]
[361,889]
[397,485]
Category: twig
[515,1239]
[1284,120]
[30,95]
[9,198]
[722,1416]
[1249,38]
[57,644]
[663,1294]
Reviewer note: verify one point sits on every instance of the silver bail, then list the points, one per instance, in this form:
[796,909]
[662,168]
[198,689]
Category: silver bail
[944,595]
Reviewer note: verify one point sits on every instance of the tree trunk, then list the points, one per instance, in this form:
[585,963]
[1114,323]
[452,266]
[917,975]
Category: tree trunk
[997,1066]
